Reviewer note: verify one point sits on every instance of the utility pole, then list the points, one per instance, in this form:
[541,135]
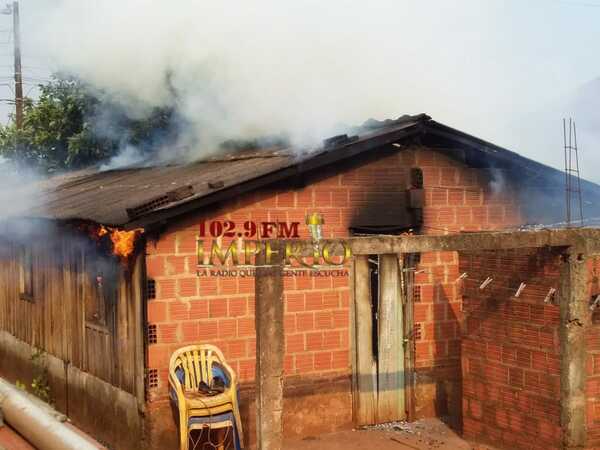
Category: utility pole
[18,74]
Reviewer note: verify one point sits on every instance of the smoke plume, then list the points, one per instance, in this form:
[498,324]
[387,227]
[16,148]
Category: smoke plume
[308,68]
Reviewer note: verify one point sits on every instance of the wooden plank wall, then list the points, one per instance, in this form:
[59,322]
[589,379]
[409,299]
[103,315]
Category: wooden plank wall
[366,367]
[55,321]
[390,402]
[379,380]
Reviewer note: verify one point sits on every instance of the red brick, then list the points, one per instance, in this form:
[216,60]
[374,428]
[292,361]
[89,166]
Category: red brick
[294,343]
[227,328]
[314,301]
[158,356]
[288,365]
[340,359]
[175,265]
[305,321]
[304,362]
[157,311]
[339,197]
[438,197]
[515,377]
[331,340]
[473,197]
[331,300]
[237,307]
[289,323]
[427,293]
[251,347]
[245,327]
[190,331]
[208,330]
[167,333]
[322,198]
[228,285]
[475,409]
[422,350]
[187,287]
[456,197]
[439,311]
[236,349]
[217,307]
[165,245]
[247,369]
[294,302]
[322,282]
[304,197]
[186,243]
[496,214]
[323,360]
[198,309]
[155,266]
[208,286]
[246,285]
[178,311]
[341,318]
[166,289]
[421,312]
[323,320]
[314,341]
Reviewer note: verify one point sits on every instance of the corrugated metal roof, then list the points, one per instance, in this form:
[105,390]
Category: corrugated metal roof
[106,196]
[140,196]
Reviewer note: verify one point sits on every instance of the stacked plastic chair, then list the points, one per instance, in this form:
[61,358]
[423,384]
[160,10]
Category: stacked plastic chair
[204,391]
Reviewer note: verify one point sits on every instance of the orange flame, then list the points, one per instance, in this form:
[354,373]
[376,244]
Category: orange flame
[123,241]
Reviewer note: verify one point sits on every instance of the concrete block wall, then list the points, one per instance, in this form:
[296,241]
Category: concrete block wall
[220,310]
[592,342]
[511,349]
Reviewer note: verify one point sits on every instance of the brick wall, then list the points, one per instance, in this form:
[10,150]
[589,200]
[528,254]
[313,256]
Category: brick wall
[220,310]
[510,349]
[457,198]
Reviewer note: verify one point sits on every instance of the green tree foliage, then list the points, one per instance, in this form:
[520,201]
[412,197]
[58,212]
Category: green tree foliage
[72,126]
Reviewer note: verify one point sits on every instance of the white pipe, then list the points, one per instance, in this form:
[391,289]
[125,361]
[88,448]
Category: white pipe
[41,429]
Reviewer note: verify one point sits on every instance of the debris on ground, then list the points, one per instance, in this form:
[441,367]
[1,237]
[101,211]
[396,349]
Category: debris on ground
[425,434]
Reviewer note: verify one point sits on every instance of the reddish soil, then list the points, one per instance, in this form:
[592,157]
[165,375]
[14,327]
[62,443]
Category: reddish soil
[427,434]
[11,440]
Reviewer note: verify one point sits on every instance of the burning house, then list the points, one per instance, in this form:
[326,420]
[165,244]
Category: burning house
[118,269]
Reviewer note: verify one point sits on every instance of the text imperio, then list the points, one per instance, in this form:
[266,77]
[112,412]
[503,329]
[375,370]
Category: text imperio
[331,253]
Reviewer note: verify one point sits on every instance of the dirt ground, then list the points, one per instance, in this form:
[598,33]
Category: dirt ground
[11,440]
[426,434]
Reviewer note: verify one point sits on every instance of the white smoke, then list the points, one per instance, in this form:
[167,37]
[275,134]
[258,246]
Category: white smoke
[246,69]
[21,205]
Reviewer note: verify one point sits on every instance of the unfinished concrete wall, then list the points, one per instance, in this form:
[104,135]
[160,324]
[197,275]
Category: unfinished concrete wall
[592,340]
[220,310]
[511,349]
[106,412]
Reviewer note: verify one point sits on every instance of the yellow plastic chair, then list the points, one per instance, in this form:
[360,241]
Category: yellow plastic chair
[189,366]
